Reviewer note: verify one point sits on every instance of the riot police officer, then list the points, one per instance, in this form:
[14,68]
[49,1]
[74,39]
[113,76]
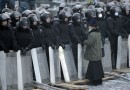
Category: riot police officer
[115,26]
[64,32]
[80,32]
[15,17]
[24,35]
[37,31]
[48,32]
[7,38]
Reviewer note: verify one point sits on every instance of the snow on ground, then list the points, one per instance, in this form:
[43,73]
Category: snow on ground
[118,84]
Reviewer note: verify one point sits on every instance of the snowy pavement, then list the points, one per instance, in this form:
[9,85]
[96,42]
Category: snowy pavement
[118,84]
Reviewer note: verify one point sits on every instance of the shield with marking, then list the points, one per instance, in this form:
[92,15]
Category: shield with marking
[67,63]
[24,70]
[122,53]
[106,61]
[40,64]
[55,70]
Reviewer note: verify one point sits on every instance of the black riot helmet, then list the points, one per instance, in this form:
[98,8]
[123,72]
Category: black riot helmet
[77,8]
[99,5]
[115,11]
[37,13]
[26,13]
[125,9]
[6,10]
[76,17]
[62,5]
[88,14]
[4,17]
[24,23]
[74,9]
[44,16]
[33,19]
[112,10]
[109,5]
[63,15]
[69,13]
[15,16]
[100,13]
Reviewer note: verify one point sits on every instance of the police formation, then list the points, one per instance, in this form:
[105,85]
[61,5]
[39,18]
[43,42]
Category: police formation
[36,45]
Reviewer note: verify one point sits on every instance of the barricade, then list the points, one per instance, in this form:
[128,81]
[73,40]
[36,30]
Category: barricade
[67,63]
[106,60]
[40,64]
[122,53]
[55,67]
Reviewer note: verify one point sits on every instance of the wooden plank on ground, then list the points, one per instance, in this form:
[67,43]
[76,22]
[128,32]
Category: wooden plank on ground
[77,85]
[46,86]
[127,70]
[85,81]
[108,78]
[70,86]
[80,82]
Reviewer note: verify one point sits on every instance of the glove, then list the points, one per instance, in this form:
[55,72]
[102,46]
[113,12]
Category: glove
[79,41]
[57,46]
[53,46]
[82,44]
[63,46]
[16,49]
[43,47]
[70,43]
[23,52]
[6,50]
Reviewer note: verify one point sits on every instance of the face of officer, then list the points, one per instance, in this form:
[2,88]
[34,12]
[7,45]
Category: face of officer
[66,19]
[78,19]
[35,23]
[4,23]
[17,18]
[24,23]
[48,20]
[25,27]
[127,12]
